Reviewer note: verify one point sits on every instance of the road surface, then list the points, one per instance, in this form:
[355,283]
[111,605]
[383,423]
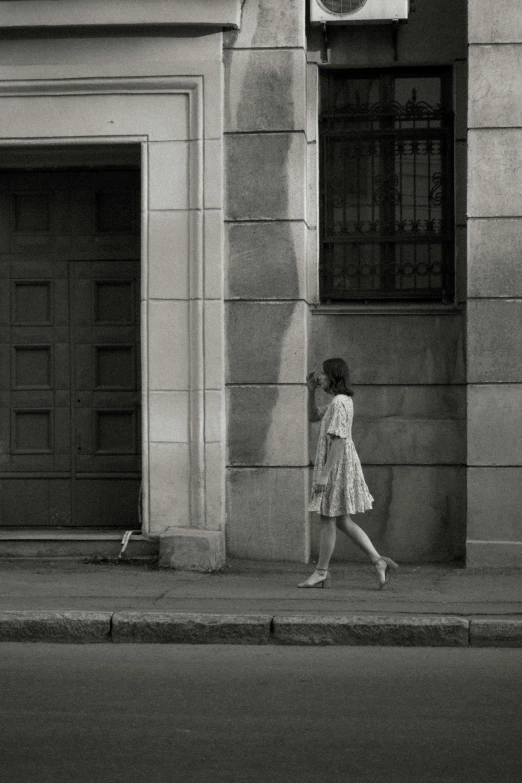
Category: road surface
[157,714]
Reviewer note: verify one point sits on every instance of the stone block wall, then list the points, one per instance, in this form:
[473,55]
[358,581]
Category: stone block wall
[266,310]
[494,326]
[408,368]
[407,362]
[409,429]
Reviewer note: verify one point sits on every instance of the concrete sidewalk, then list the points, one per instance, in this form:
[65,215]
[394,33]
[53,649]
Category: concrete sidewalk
[257,603]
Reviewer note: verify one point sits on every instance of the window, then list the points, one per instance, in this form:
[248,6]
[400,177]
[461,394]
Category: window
[387,224]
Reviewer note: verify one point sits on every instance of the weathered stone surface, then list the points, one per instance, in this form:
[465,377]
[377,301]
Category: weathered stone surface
[112,56]
[269,23]
[498,22]
[55,626]
[168,259]
[114,12]
[392,349]
[410,402]
[212,174]
[461,265]
[265,90]
[266,514]
[495,341]
[127,115]
[171,628]
[265,260]
[267,425]
[419,515]
[174,192]
[372,630]
[461,99]
[76,548]
[168,345]
[496,632]
[214,344]
[407,425]
[494,253]
[410,441]
[265,176]
[266,342]
[495,171]
[495,503]
[213,250]
[169,482]
[495,424]
[215,461]
[461,178]
[312,267]
[192,549]
[168,416]
[495,94]
[214,416]
[312,179]
[493,554]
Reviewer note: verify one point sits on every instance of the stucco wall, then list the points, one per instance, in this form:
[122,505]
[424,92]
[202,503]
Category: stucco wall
[495,284]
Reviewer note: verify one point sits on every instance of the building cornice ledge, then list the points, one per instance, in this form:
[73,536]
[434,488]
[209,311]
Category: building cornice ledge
[45,14]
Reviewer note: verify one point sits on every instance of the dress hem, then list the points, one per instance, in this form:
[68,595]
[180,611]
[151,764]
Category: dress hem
[358,510]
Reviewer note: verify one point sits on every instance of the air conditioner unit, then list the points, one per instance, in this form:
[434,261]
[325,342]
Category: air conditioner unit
[358,11]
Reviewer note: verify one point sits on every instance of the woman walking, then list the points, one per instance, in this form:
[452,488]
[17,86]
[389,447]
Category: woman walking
[338,487]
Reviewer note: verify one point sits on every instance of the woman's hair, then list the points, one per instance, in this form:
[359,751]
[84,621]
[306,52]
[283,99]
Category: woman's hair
[336,370]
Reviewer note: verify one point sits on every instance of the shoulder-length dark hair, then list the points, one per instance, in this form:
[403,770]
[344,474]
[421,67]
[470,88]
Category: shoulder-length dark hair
[338,374]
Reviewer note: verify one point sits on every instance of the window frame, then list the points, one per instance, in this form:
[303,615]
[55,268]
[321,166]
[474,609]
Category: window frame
[391,294]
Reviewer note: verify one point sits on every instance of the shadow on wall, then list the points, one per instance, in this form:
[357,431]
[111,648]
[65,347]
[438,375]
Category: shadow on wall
[258,190]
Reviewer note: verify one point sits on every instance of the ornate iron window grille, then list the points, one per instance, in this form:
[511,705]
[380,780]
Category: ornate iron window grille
[387,223]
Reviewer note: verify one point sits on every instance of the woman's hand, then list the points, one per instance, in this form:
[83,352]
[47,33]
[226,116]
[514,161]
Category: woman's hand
[321,481]
[312,381]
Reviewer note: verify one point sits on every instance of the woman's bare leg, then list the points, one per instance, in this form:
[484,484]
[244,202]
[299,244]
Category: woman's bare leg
[320,577]
[358,536]
[326,542]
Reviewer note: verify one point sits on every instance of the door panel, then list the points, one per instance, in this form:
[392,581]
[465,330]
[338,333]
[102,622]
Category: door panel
[70,450]
[35,502]
[35,370]
[35,393]
[107,382]
[107,502]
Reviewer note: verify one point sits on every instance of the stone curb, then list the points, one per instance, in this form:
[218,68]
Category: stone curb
[373,630]
[81,627]
[493,632]
[54,626]
[170,628]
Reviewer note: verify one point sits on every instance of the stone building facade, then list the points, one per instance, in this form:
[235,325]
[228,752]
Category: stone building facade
[169,161]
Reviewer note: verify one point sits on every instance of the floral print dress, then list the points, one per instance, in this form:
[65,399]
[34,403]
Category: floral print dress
[346,491]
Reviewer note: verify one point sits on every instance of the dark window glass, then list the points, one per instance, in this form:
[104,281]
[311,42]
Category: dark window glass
[387,226]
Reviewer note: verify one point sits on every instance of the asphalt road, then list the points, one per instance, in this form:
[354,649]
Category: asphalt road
[156,714]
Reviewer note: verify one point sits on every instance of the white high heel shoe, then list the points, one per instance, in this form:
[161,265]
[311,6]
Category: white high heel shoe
[319,578]
[384,573]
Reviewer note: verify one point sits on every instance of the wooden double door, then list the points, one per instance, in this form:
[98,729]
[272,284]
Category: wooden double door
[70,429]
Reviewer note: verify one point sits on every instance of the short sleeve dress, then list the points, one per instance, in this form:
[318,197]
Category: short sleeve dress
[346,491]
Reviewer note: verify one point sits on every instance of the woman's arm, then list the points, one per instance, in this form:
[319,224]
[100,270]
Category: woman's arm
[334,455]
[312,383]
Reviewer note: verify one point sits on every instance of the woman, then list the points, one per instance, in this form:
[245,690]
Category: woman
[338,487]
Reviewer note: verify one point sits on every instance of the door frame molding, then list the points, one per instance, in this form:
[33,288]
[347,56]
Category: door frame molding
[205,346]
